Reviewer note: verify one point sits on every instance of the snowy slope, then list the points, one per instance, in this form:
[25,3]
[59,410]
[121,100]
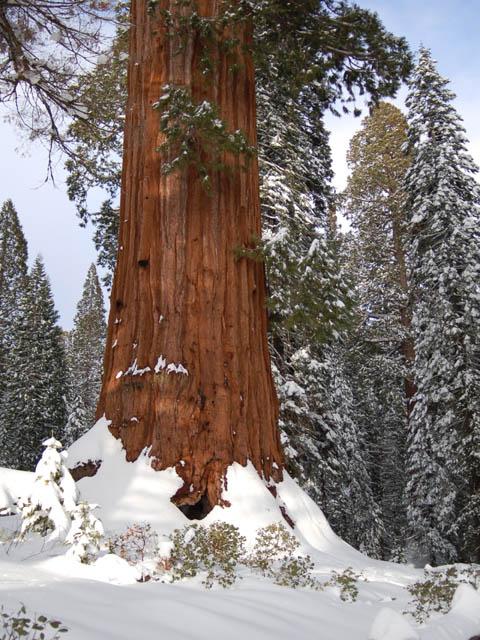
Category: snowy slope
[134,492]
[89,602]
[14,486]
[105,602]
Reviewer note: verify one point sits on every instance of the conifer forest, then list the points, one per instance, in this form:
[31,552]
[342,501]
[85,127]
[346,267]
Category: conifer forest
[261,416]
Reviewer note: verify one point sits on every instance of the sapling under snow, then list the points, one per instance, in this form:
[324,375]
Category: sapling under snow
[53,498]
[86,533]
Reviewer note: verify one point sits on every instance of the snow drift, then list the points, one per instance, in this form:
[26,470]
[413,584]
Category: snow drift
[129,492]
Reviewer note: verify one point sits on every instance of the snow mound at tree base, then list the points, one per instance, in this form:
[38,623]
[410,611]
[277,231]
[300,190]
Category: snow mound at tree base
[129,492]
[15,487]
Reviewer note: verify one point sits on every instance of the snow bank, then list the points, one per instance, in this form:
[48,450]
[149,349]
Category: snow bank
[312,526]
[105,602]
[391,625]
[129,492]
[126,492]
[461,622]
[94,445]
[15,486]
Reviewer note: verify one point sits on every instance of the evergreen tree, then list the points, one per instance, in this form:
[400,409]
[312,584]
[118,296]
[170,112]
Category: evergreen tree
[34,404]
[310,307]
[381,349]
[325,449]
[444,209]
[85,354]
[105,237]
[13,277]
[54,495]
[77,422]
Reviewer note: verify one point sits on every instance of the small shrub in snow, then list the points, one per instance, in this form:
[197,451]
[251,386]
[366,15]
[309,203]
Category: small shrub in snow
[6,536]
[272,542]
[296,572]
[347,582]
[274,555]
[135,545]
[434,594]
[216,550]
[86,533]
[21,625]
[53,495]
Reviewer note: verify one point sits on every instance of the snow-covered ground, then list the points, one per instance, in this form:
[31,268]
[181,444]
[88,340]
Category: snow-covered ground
[104,601]
[14,486]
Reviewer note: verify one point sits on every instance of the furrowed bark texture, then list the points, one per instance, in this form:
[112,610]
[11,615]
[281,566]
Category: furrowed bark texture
[180,290]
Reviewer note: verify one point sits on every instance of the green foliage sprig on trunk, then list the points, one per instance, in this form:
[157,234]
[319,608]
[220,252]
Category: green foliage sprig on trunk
[195,135]
[215,34]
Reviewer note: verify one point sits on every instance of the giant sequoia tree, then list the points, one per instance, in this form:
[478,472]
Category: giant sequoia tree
[381,352]
[187,352]
[187,372]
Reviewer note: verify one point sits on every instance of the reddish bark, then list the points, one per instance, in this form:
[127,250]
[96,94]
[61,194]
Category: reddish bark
[180,290]
[85,470]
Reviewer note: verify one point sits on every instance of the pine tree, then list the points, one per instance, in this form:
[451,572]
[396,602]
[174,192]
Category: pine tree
[105,238]
[85,353]
[325,449]
[35,397]
[444,209]
[13,277]
[53,497]
[310,307]
[77,422]
[86,533]
[381,349]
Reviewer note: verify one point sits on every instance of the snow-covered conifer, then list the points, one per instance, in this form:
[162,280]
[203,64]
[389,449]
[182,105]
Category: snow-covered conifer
[310,304]
[444,208]
[13,277]
[53,497]
[105,237]
[34,404]
[326,450]
[77,422]
[86,533]
[85,355]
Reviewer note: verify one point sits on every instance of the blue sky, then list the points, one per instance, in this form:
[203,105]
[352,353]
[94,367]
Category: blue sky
[448,27]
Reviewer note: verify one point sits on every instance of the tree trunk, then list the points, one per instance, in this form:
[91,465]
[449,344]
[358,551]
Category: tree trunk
[187,367]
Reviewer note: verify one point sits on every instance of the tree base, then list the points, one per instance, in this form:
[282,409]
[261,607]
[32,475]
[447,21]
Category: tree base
[129,492]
